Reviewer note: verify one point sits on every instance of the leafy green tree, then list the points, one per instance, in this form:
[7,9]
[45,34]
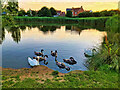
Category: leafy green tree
[85,14]
[53,11]
[21,12]
[34,13]
[28,13]
[69,14]
[96,14]
[12,8]
[44,12]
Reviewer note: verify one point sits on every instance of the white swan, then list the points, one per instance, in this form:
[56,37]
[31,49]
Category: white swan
[33,62]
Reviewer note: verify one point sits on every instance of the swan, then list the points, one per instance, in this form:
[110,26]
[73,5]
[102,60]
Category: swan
[33,62]
[61,65]
[41,59]
[93,53]
[54,53]
[39,53]
[70,61]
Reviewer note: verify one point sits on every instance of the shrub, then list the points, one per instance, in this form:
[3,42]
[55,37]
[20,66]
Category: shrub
[55,73]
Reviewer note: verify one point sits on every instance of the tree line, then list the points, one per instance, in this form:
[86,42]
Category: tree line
[12,8]
[99,14]
[43,12]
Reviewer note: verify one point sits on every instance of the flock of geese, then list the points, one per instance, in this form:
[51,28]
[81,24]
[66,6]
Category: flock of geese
[41,57]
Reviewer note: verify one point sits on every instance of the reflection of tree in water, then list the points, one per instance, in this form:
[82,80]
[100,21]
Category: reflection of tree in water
[16,35]
[34,26]
[68,28]
[23,28]
[29,27]
[2,35]
[74,28]
[45,29]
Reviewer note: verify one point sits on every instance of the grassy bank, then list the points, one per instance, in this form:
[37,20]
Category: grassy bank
[93,21]
[42,77]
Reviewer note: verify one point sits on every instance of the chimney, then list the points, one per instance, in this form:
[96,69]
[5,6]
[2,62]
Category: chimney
[81,6]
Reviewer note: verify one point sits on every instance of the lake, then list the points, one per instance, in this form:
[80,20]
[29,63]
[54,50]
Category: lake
[21,42]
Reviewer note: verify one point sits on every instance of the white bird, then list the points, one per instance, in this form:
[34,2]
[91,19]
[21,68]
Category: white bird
[33,62]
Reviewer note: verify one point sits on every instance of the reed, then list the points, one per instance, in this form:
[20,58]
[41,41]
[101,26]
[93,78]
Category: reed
[109,54]
[88,20]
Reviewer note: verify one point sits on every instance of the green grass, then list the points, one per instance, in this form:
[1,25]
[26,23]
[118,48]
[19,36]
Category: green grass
[96,21]
[113,24]
[88,79]
[55,73]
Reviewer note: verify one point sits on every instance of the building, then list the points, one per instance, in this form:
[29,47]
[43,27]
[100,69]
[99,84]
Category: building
[68,9]
[62,14]
[59,13]
[76,11]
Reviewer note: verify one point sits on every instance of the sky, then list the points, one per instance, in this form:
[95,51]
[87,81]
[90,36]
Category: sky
[93,5]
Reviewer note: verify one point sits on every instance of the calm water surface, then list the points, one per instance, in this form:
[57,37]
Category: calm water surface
[68,41]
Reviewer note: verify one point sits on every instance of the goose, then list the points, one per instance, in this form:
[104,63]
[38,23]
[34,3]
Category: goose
[54,53]
[93,53]
[70,61]
[61,65]
[39,53]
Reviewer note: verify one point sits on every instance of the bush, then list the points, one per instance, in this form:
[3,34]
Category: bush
[55,73]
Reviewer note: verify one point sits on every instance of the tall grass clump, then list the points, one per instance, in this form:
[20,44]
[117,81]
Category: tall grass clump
[109,53]
[113,24]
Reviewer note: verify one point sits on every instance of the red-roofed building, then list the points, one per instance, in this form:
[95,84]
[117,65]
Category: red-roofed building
[59,13]
[76,11]
[62,14]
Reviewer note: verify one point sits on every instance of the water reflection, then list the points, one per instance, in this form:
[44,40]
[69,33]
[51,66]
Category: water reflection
[69,41]
[16,31]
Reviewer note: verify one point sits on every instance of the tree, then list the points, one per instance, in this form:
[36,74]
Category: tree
[12,8]
[53,11]
[44,12]
[69,14]
[96,14]
[34,13]
[21,12]
[28,13]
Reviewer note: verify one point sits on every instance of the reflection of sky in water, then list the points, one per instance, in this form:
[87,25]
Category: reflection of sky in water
[67,42]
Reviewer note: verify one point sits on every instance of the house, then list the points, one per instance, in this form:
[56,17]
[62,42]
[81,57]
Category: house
[75,11]
[60,13]
[68,9]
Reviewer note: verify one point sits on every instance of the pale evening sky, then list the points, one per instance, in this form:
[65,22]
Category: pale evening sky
[95,5]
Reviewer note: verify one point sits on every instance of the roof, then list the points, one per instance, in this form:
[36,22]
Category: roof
[77,9]
[58,11]
[68,9]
